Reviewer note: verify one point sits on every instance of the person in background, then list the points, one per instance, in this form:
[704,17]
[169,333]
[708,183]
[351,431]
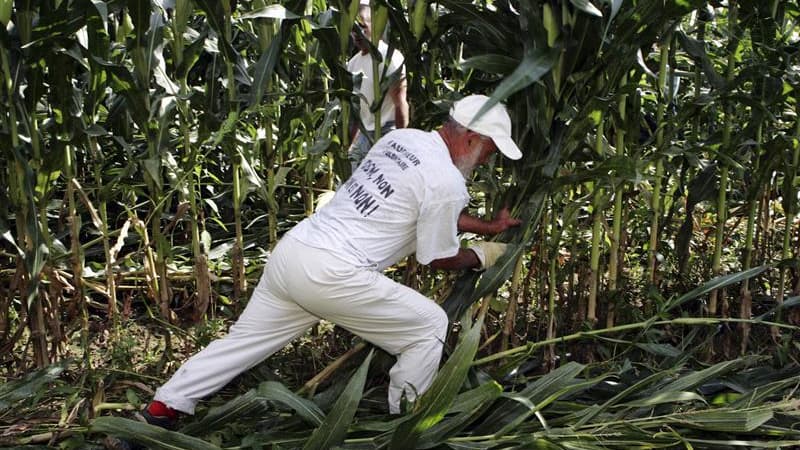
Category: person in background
[408,196]
[394,109]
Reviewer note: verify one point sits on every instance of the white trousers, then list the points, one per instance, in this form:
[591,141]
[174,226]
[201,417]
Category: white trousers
[299,286]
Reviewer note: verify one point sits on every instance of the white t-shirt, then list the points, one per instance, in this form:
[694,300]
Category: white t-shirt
[405,197]
[362,63]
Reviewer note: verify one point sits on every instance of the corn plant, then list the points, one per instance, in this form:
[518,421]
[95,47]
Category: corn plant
[154,151]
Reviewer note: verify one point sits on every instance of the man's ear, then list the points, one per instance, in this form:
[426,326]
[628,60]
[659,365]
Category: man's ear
[473,136]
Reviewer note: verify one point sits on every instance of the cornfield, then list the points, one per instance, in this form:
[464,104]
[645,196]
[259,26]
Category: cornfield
[154,151]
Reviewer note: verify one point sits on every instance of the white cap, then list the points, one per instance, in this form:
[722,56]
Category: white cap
[494,123]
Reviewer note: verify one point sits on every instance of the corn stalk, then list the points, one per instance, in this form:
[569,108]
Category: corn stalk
[746,295]
[25,157]
[184,58]
[724,169]
[77,252]
[655,202]
[8,118]
[147,28]
[99,45]
[379,16]
[220,13]
[515,294]
[616,226]
[266,37]
[552,280]
[598,216]
[790,206]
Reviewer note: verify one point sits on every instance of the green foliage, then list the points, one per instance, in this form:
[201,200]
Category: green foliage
[620,407]
[432,406]
[333,429]
[677,119]
[254,403]
[30,386]
[149,435]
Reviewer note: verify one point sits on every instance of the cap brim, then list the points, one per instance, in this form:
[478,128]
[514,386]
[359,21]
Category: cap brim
[507,147]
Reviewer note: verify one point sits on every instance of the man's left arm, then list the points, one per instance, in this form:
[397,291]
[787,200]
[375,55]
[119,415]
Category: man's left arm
[398,95]
[501,222]
[464,259]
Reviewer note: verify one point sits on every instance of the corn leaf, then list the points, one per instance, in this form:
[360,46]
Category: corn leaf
[151,436]
[122,81]
[217,17]
[666,350]
[264,70]
[471,445]
[692,380]
[346,20]
[379,425]
[247,404]
[716,283]
[5,11]
[761,394]
[741,443]
[580,445]
[465,293]
[499,64]
[274,440]
[432,406]
[535,64]
[461,296]
[787,303]
[333,430]
[509,411]
[626,393]
[191,54]
[665,397]
[468,400]
[254,403]
[534,409]
[277,392]
[587,7]
[468,406]
[140,11]
[271,12]
[727,421]
[29,385]
[36,252]
[697,50]
[466,12]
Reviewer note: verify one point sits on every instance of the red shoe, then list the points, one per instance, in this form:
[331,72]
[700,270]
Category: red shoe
[161,415]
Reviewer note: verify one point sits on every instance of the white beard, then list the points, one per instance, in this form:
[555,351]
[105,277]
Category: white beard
[467,163]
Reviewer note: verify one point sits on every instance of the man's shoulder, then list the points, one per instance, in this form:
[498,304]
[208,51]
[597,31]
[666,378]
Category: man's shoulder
[414,136]
[427,146]
[397,58]
[419,148]
[354,61]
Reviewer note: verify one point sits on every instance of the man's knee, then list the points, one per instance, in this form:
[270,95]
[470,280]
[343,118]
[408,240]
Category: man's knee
[439,323]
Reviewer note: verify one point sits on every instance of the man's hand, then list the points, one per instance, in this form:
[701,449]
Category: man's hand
[488,252]
[503,221]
